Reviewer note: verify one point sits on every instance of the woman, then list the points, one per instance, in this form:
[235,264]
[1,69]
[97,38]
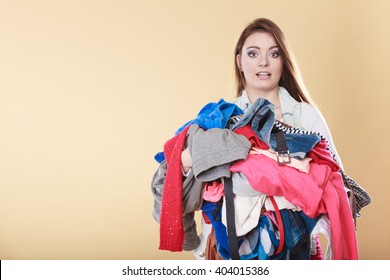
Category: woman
[265,67]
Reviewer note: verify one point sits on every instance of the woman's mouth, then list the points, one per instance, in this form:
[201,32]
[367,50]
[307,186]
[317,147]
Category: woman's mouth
[263,74]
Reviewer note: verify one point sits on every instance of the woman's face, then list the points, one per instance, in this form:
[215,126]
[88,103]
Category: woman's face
[261,62]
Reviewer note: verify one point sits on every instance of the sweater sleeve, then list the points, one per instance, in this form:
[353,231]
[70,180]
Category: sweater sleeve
[214,150]
[191,202]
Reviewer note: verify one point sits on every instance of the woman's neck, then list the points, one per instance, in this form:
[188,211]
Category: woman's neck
[271,95]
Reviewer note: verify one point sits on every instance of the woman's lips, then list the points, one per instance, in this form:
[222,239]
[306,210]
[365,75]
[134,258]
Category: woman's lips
[263,74]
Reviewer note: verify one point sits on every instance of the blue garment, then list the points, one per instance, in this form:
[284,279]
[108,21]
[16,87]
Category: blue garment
[213,212]
[261,116]
[159,157]
[298,144]
[262,241]
[297,228]
[212,115]
[249,247]
[268,242]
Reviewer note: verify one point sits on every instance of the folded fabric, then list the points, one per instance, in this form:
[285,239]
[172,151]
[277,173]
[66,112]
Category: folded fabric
[214,150]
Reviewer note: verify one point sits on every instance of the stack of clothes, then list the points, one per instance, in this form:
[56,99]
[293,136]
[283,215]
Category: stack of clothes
[284,183]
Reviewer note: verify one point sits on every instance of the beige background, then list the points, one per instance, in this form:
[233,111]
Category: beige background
[91,90]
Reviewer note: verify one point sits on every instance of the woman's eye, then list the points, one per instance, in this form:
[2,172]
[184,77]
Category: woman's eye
[252,54]
[274,54]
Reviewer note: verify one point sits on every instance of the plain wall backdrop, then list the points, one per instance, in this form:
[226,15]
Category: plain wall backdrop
[91,90]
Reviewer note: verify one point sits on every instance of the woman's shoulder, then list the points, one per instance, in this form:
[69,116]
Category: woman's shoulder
[308,109]
[311,117]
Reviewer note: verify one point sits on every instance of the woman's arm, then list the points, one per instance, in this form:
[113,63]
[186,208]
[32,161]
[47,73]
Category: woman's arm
[313,120]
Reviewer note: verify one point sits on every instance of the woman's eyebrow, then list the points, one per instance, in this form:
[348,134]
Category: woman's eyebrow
[258,48]
[253,47]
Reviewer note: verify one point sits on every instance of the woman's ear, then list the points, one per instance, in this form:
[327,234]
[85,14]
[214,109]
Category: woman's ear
[238,61]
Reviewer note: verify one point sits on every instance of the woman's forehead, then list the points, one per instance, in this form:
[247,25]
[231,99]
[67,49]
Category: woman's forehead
[260,39]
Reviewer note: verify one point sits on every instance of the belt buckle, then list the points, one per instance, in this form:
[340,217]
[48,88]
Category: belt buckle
[283,157]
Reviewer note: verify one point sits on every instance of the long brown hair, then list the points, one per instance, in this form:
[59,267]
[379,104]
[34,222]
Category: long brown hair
[291,79]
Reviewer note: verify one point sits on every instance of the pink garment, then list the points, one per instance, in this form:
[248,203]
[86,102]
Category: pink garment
[321,155]
[213,191]
[320,191]
[302,165]
[318,255]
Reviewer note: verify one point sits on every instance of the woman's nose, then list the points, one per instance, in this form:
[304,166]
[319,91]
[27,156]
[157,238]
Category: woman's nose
[263,60]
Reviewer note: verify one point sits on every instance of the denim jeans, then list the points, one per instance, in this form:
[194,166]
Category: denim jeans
[261,116]
[298,144]
[297,228]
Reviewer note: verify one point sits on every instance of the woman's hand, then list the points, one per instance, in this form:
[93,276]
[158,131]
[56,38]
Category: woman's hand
[186,160]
